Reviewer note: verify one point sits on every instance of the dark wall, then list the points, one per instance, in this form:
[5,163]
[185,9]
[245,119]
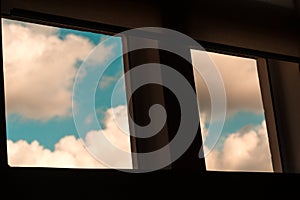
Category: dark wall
[248,24]
[256,26]
[124,13]
[285,80]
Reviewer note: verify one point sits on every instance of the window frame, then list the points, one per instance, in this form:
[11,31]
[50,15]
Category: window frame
[276,140]
[65,22]
[56,21]
[265,90]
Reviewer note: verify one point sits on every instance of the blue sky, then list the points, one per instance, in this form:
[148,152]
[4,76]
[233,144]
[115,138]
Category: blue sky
[242,119]
[49,132]
[93,37]
[236,123]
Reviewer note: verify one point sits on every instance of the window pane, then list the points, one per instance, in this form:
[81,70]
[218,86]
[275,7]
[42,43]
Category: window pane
[243,144]
[40,67]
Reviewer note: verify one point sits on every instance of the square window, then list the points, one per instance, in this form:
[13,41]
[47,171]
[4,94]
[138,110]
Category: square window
[41,64]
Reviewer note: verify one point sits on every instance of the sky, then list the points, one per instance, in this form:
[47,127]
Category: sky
[41,64]
[40,67]
[243,144]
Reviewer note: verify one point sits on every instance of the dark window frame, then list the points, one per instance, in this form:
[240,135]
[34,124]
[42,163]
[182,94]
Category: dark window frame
[55,21]
[277,142]
[95,27]
[265,89]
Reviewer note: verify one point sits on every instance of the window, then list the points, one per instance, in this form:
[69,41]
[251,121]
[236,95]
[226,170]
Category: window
[40,67]
[243,144]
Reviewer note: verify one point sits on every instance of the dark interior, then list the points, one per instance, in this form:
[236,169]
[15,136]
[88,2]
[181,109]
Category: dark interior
[257,28]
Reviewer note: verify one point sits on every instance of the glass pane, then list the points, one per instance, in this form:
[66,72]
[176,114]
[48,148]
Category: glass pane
[40,67]
[243,144]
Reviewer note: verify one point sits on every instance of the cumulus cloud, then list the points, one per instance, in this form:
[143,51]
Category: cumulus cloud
[245,150]
[70,152]
[39,69]
[242,151]
[116,132]
[240,79]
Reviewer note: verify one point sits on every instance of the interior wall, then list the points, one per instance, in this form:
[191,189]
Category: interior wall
[124,13]
[285,80]
[247,24]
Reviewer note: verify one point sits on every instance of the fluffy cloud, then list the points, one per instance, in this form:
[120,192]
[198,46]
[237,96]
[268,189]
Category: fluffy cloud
[240,79]
[116,133]
[246,150]
[70,152]
[39,69]
[242,151]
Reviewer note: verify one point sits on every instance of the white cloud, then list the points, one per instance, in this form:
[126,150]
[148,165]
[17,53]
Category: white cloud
[242,151]
[116,132]
[70,152]
[39,69]
[240,79]
[248,151]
